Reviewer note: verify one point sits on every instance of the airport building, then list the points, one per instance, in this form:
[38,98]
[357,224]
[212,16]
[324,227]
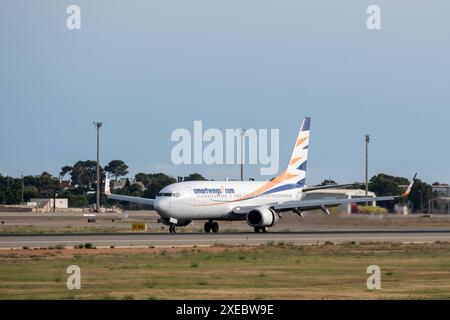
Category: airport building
[326,194]
[443,190]
[441,204]
[46,205]
[121,183]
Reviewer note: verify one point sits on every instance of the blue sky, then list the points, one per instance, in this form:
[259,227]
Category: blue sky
[145,68]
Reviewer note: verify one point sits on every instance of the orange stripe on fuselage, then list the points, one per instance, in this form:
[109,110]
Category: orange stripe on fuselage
[281,178]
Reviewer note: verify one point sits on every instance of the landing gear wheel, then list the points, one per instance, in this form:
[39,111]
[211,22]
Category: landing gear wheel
[172,229]
[207,227]
[215,227]
[256,229]
[264,229]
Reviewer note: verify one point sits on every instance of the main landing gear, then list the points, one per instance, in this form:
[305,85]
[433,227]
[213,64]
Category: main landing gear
[211,226]
[260,229]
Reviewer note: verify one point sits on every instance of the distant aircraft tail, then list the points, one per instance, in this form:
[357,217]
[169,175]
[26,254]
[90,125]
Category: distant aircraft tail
[107,188]
[408,190]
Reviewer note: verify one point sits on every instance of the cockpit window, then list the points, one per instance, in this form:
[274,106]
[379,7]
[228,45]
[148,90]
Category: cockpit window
[165,194]
[168,194]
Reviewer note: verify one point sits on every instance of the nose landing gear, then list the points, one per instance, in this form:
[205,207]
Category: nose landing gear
[172,228]
[211,226]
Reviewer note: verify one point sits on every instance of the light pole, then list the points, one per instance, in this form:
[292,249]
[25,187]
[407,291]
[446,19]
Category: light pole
[54,200]
[242,153]
[367,163]
[98,125]
[22,188]
[367,138]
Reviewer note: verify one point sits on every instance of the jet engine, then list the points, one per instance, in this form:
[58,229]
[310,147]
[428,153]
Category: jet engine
[262,217]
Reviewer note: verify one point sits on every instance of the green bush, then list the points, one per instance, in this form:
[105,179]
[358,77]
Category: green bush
[88,246]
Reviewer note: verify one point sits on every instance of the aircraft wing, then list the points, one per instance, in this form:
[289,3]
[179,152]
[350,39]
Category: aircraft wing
[120,197]
[330,186]
[131,199]
[304,205]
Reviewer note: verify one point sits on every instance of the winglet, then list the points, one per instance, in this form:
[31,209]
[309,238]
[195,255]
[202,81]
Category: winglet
[107,189]
[408,190]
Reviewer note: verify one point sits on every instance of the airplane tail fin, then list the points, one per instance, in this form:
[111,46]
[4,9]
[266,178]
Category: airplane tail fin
[297,163]
[295,173]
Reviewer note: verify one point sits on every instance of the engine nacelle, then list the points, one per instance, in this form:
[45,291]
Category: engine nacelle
[262,217]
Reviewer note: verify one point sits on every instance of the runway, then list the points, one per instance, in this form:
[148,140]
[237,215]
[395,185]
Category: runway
[235,238]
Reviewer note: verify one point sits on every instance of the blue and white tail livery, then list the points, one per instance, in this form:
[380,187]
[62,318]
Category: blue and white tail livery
[299,157]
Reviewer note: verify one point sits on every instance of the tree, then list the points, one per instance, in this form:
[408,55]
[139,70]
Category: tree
[135,189]
[154,183]
[421,193]
[143,177]
[3,197]
[65,170]
[328,182]
[194,177]
[45,174]
[84,174]
[117,168]
[385,185]
[42,186]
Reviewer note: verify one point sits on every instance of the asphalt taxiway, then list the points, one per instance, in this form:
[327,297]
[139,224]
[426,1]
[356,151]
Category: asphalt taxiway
[418,235]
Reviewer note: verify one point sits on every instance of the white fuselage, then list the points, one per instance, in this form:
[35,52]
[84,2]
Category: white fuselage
[203,200]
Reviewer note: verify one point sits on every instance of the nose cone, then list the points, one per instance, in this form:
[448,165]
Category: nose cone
[162,206]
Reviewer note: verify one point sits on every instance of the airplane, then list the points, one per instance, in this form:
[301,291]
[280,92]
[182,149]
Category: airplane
[260,203]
